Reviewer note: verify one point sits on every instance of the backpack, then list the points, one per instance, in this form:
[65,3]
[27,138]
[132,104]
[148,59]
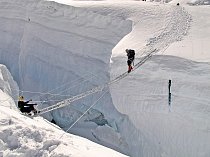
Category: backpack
[131,53]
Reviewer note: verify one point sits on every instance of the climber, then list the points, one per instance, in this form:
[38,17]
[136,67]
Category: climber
[25,106]
[131,57]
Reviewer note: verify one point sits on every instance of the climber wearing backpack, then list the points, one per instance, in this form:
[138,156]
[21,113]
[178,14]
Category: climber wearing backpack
[131,57]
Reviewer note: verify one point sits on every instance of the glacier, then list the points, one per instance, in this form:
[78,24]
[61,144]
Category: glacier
[54,52]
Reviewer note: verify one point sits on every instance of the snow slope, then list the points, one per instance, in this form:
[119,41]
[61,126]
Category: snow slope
[7,84]
[23,136]
[181,33]
[56,51]
[149,127]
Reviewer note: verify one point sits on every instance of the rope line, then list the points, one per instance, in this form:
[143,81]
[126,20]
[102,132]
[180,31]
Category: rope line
[96,89]
[99,88]
[49,92]
[75,85]
[84,113]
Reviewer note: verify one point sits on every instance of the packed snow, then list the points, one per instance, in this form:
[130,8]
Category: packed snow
[55,50]
[23,136]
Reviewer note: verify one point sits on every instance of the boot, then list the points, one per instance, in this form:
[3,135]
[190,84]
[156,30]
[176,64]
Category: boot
[35,112]
[129,68]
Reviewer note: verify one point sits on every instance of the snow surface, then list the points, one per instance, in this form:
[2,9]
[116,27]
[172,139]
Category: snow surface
[54,52]
[23,136]
[49,40]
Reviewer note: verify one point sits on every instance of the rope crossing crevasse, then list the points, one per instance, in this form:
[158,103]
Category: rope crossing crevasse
[96,89]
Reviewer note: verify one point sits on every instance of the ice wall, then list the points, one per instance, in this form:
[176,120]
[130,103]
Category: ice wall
[61,50]
[43,39]
[8,88]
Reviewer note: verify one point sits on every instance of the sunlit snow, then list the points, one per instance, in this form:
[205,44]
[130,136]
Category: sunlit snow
[56,50]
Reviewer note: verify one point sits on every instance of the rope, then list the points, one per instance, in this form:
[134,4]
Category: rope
[96,89]
[53,95]
[84,113]
[63,85]
[49,92]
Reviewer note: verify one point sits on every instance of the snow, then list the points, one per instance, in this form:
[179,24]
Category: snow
[23,136]
[49,40]
[8,88]
[26,136]
[62,48]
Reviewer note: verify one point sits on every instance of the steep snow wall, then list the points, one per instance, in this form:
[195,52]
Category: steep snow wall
[8,88]
[51,48]
[36,35]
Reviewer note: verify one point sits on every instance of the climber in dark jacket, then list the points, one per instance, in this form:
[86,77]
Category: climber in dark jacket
[25,107]
[131,57]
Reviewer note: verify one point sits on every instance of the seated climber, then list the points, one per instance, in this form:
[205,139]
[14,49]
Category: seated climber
[25,107]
